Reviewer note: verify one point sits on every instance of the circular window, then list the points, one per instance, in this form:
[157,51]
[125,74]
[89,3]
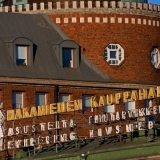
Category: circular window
[114,54]
[155,57]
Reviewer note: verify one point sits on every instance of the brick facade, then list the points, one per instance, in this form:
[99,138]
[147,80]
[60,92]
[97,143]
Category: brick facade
[136,34]
[93,31]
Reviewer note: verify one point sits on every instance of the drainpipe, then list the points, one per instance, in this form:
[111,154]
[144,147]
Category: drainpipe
[56,93]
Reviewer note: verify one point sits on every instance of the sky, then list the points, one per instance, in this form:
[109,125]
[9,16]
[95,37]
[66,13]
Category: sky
[154,1]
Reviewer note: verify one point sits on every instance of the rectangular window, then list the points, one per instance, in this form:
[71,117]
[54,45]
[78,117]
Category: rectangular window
[147,103]
[109,109]
[113,54]
[64,97]
[67,57]
[86,103]
[17,99]
[22,55]
[129,105]
[40,99]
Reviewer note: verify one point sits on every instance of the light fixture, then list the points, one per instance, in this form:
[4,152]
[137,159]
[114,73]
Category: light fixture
[84,155]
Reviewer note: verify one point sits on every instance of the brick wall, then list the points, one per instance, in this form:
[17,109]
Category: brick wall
[30,100]
[137,35]
[77,92]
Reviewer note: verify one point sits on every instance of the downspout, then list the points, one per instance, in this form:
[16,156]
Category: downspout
[56,94]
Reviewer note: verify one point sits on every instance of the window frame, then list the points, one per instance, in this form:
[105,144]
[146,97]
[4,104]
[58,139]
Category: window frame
[72,57]
[131,103]
[88,109]
[119,54]
[22,99]
[156,61]
[58,49]
[44,93]
[26,55]
[65,94]
[21,41]
[113,107]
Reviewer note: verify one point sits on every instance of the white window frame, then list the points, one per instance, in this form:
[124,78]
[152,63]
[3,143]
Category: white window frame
[72,58]
[155,57]
[147,103]
[18,105]
[109,108]
[119,54]
[45,94]
[26,48]
[64,94]
[88,97]
[130,104]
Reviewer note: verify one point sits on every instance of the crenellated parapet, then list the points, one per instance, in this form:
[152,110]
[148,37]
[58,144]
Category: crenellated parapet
[86,7]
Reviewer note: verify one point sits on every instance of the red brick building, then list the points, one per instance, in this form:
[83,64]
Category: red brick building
[71,51]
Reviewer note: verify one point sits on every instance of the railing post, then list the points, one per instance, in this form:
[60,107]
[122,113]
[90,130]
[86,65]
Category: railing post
[113,4]
[42,6]
[1,9]
[13,8]
[7,8]
[66,6]
[134,5]
[74,4]
[145,6]
[58,5]
[34,6]
[98,4]
[50,5]
[28,6]
[20,8]
[89,4]
[150,7]
[139,5]
[120,5]
[128,5]
[105,4]
[81,4]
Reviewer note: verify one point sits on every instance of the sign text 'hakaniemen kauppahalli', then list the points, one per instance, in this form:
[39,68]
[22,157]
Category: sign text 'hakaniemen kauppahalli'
[76,105]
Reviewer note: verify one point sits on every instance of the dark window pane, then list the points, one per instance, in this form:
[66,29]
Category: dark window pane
[112,54]
[109,46]
[67,57]
[21,61]
[113,62]
[113,47]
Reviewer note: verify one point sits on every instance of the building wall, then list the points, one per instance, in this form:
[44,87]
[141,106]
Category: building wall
[31,90]
[30,100]
[136,34]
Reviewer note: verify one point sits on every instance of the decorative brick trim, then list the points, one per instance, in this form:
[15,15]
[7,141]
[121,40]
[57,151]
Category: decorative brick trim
[111,20]
[112,7]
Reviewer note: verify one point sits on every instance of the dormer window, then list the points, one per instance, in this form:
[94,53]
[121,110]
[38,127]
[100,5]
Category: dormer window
[68,57]
[22,55]
[68,54]
[21,51]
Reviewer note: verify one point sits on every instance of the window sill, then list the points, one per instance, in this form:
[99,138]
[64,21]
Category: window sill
[69,68]
[21,65]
